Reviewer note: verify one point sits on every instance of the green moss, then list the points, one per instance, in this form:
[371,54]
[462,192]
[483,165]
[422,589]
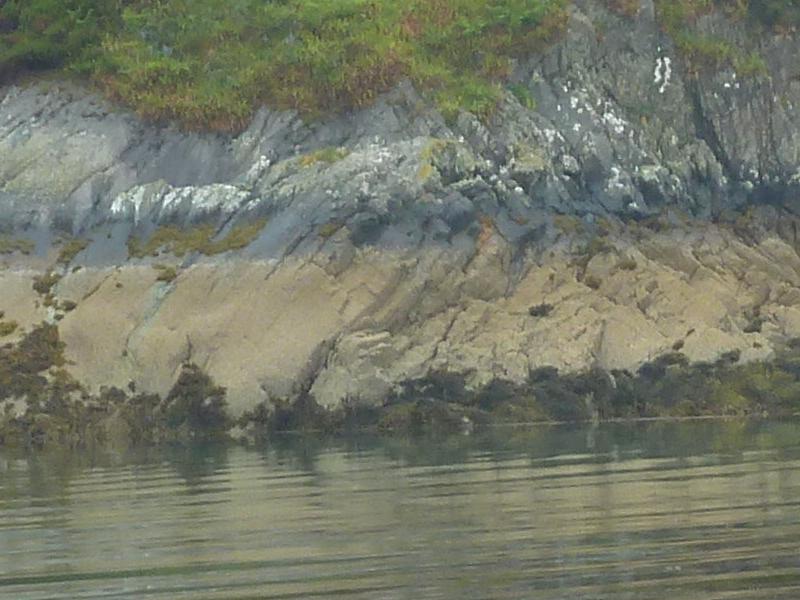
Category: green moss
[523,95]
[174,240]
[329,229]
[11,245]
[706,52]
[750,65]
[530,157]
[238,238]
[626,263]
[70,249]
[7,328]
[324,155]
[166,273]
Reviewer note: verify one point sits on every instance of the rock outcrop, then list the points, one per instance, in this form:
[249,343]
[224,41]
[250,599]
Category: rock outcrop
[395,243]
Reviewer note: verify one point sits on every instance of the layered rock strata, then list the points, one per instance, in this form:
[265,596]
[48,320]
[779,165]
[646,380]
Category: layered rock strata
[602,227]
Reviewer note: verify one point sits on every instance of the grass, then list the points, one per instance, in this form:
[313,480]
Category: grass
[209,63]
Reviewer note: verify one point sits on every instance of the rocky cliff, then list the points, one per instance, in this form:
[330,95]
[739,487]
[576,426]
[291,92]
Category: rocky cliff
[617,205]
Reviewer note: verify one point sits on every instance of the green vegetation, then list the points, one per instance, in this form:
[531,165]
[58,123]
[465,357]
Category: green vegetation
[780,14]
[668,386]
[777,14]
[541,310]
[329,229]
[58,412]
[324,155]
[42,284]
[703,52]
[196,405]
[627,8]
[11,245]
[7,328]
[165,273]
[208,63]
[68,305]
[42,34]
[523,96]
[179,242]
[70,249]
[23,364]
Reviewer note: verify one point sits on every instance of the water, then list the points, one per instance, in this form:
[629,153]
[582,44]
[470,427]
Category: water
[679,510]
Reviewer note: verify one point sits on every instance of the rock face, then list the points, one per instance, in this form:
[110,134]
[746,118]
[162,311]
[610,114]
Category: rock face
[396,243]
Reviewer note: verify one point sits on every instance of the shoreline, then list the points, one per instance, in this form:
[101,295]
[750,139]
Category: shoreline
[668,389]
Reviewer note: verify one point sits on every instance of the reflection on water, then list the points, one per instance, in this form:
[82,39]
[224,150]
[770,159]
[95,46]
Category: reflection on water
[660,510]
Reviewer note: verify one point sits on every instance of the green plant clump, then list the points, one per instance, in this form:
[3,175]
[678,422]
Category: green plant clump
[7,328]
[196,404]
[42,284]
[22,365]
[324,155]
[58,412]
[209,63]
[703,51]
[70,249]
[11,245]
[177,241]
[44,34]
[166,273]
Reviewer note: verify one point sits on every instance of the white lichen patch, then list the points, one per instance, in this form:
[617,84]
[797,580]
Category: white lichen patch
[611,120]
[164,199]
[663,73]
[615,182]
[257,170]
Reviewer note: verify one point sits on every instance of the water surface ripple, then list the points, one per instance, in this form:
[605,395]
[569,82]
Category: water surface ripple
[662,510]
